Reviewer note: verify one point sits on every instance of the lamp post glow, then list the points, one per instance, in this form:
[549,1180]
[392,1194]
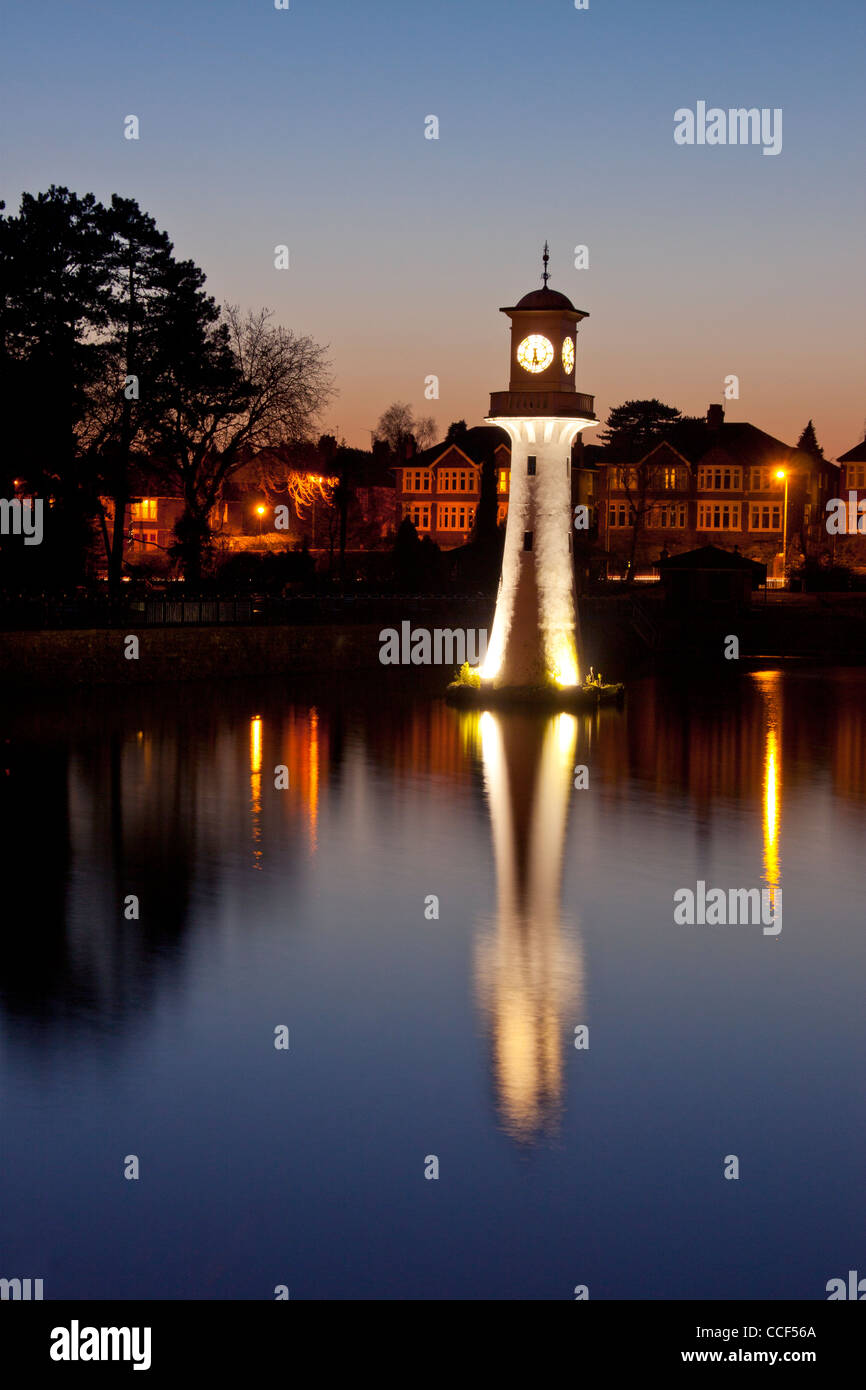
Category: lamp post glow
[780,473]
[533,643]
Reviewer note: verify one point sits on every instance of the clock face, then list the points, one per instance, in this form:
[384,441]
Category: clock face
[535,353]
[568,355]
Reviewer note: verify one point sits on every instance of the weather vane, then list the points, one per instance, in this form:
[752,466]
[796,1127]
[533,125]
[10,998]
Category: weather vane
[546,257]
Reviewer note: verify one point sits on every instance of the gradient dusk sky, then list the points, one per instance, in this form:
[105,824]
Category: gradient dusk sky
[306,127]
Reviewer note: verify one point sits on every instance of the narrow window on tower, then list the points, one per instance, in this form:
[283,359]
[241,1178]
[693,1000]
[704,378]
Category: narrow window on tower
[527,540]
[530,465]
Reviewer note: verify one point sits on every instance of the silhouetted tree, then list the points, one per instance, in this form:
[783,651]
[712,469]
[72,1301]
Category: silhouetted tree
[92,298]
[248,385]
[808,443]
[485,543]
[417,564]
[142,277]
[398,426]
[634,427]
[53,294]
[425,431]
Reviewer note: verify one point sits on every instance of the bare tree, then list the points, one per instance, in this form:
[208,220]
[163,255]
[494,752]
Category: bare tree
[261,385]
[636,481]
[426,432]
[289,379]
[397,425]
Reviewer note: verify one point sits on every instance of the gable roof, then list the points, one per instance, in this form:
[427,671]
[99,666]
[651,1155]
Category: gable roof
[475,445]
[710,557]
[747,445]
[666,446]
[739,442]
[855,455]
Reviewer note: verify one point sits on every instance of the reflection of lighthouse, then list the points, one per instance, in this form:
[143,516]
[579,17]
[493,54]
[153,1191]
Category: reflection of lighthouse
[529,975]
[769,683]
[534,637]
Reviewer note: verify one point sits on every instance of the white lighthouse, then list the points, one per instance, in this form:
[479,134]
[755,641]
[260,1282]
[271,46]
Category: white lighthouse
[533,644]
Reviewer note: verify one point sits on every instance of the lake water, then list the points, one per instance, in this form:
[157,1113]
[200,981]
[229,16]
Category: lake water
[414,1037]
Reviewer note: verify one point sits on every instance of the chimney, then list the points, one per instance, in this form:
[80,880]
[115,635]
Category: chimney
[715,417]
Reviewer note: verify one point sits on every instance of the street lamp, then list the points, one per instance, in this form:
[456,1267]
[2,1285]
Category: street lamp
[780,473]
[260,511]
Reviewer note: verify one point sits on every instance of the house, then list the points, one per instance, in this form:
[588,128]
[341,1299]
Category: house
[853,476]
[151,518]
[850,548]
[374,512]
[732,485]
[152,512]
[710,575]
[440,488]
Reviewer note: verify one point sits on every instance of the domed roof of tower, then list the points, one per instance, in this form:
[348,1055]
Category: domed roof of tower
[545,299]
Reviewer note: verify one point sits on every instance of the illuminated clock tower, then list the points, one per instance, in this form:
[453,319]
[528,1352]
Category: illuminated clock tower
[534,639]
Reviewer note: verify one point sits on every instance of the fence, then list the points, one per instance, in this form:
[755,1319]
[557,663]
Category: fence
[33,614]
[192,612]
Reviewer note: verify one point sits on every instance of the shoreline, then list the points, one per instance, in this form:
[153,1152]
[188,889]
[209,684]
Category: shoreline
[614,640]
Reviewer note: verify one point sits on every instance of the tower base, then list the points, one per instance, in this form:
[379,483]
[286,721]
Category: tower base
[574,697]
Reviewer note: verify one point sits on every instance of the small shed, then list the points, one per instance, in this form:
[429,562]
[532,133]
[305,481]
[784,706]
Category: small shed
[710,575]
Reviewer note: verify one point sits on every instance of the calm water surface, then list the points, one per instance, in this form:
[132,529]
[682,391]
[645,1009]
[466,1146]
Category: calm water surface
[412,1036]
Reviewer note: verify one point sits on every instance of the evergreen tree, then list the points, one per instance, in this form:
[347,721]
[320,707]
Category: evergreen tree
[139,261]
[808,443]
[634,427]
[53,289]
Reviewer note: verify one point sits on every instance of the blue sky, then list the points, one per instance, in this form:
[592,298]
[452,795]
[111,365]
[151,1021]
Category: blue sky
[306,127]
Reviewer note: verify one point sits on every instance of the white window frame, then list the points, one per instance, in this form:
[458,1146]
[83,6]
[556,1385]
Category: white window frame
[774,509]
[709,511]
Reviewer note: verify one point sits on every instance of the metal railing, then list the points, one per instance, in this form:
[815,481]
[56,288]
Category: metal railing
[36,614]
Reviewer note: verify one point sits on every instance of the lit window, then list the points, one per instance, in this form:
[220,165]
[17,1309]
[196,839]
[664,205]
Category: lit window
[765,516]
[718,516]
[721,479]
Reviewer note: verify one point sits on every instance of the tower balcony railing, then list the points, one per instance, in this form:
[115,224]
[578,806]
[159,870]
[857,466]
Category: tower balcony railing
[528,402]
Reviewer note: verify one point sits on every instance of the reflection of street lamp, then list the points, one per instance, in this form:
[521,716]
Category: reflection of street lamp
[261,511]
[780,473]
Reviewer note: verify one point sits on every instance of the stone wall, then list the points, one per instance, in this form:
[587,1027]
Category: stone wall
[178,653]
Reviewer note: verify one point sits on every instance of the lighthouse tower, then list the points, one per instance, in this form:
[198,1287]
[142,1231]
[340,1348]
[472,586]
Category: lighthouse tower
[534,639]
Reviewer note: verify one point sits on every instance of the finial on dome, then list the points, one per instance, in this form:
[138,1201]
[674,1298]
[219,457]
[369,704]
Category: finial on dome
[546,257]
